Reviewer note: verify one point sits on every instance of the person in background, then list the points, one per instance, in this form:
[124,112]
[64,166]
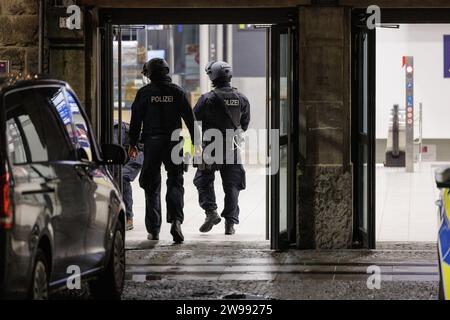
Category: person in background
[129,172]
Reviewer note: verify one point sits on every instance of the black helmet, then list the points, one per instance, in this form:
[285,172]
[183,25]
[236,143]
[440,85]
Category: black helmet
[218,69]
[155,65]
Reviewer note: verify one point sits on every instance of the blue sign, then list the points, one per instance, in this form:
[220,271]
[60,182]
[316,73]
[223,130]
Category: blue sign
[446,56]
[410,101]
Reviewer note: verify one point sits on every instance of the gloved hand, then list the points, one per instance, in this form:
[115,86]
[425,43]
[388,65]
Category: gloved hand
[198,150]
[198,156]
[238,139]
[132,152]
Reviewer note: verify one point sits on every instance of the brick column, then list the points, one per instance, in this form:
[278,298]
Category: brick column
[19,34]
[325,183]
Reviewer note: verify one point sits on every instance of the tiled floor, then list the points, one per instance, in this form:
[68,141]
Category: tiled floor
[252,203]
[405,207]
[405,203]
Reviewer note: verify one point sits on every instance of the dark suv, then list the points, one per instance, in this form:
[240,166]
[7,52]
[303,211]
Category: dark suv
[61,214]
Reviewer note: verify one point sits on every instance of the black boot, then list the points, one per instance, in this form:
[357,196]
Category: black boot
[229,228]
[153,236]
[212,218]
[176,233]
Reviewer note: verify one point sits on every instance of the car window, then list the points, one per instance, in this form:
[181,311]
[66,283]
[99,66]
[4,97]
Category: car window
[14,141]
[32,130]
[80,126]
[37,145]
[59,102]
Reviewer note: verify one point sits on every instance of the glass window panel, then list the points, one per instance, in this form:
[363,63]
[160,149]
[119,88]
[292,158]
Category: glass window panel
[363,188]
[284,99]
[283,188]
[16,146]
[38,149]
[365,87]
[178,44]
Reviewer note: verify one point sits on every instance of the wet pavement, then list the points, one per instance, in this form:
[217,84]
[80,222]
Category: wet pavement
[247,270]
[217,270]
[297,289]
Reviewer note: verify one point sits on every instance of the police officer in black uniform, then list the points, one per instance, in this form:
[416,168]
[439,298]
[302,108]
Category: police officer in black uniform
[224,109]
[159,107]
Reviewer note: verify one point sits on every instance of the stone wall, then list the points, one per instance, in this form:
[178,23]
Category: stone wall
[19,34]
[66,51]
[325,213]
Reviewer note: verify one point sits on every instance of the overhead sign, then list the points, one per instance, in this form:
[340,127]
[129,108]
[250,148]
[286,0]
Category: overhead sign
[155,27]
[446,56]
[247,27]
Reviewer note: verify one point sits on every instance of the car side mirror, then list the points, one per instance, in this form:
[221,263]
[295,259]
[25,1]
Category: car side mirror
[114,154]
[442,177]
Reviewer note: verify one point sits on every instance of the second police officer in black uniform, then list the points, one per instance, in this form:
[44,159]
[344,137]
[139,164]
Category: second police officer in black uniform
[223,109]
[158,109]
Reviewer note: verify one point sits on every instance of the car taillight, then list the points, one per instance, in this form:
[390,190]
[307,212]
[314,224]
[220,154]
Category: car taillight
[6,214]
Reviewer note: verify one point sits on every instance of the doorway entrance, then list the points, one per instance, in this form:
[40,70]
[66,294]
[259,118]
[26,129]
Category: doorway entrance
[262,54]
[398,124]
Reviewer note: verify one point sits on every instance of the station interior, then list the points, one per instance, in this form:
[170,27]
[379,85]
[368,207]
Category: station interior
[243,46]
[405,209]
[405,201]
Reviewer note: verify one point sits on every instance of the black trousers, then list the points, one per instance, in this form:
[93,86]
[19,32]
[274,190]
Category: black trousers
[129,172]
[233,181]
[157,151]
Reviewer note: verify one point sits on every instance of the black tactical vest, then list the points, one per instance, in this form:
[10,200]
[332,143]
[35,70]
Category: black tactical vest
[162,111]
[230,102]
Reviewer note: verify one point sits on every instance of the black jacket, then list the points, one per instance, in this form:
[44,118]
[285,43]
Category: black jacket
[210,109]
[159,107]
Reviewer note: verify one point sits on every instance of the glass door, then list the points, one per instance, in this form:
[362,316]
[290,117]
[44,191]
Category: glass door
[363,126]
[281,178]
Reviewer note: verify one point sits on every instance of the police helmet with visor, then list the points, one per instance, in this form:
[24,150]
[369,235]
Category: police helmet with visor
[219,70]
[155,66]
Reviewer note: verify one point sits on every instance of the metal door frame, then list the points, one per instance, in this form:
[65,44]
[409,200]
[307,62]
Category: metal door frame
[286,17]
[361,237]
[290,140]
